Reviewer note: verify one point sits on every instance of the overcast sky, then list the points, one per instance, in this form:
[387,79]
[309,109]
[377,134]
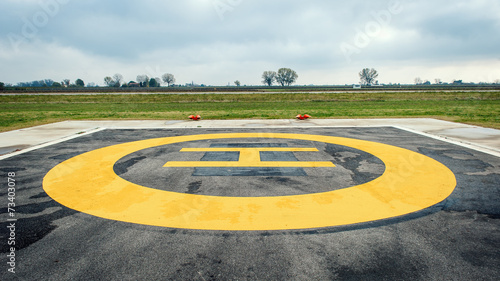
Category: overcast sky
[216,42]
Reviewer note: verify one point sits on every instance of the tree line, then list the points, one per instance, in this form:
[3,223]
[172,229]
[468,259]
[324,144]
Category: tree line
[287,76]
[47,83]
[142,81]
[115,81]
[283,77]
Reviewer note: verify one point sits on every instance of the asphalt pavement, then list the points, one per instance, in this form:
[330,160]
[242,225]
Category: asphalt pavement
[67,224]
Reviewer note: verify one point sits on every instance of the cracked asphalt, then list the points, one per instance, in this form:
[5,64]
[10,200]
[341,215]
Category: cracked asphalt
[457,239]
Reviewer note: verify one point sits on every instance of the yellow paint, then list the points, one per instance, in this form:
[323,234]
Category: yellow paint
[411,182]
[249,157]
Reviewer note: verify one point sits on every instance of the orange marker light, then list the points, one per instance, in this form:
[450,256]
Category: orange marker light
[300,117]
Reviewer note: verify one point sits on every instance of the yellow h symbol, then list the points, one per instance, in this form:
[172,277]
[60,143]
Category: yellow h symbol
[249,157]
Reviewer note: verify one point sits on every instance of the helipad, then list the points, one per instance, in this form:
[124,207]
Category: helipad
[411,182]
[255,203]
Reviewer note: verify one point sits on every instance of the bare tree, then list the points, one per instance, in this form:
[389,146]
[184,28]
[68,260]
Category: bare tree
[418,81]
[286,76]
[438,81]
[143,80]
[158,81]
[269,77]
[118,78]
[368,76]
[109,81]
[168,78]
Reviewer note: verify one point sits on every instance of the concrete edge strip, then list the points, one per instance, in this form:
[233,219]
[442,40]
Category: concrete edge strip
[291,126]
[473,146]
[8,155]
[477,147]
[470,145]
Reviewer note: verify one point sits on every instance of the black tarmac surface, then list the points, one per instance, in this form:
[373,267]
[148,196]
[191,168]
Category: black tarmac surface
[458,239]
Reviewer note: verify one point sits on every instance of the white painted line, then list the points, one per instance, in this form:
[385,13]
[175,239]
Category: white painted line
[3,157]
[473,146]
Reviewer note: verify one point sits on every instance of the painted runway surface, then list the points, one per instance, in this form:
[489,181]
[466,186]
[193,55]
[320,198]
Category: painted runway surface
[376,203]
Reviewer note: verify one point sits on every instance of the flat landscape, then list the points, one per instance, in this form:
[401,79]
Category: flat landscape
[474,107]
[249,140]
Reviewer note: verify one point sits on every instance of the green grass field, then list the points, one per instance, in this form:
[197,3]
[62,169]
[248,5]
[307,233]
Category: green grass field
[478,108]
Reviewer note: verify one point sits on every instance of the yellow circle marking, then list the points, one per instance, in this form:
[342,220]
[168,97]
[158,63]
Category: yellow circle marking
[87,183]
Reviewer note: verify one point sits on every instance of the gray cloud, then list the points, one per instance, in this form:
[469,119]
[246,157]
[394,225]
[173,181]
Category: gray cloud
[244,38]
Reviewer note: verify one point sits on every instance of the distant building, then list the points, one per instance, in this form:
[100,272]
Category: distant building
[356,86]
[192,84]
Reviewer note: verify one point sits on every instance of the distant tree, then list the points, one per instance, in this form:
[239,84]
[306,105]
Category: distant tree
[2,85]
[168,78]
[118,78]
[79,83]
[56,85]
[269,77]
[48,82]
[438,81]
[39,83]
[143,80]
[109,81]
[497,81]
[66,82]
[237,83]
[418,81]
[153,83]
[286,76]
[368,76]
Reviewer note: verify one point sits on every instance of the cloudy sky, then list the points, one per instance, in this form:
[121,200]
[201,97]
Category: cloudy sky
[216,42]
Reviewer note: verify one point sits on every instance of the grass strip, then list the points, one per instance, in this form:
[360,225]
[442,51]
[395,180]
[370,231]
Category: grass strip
[478,108]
